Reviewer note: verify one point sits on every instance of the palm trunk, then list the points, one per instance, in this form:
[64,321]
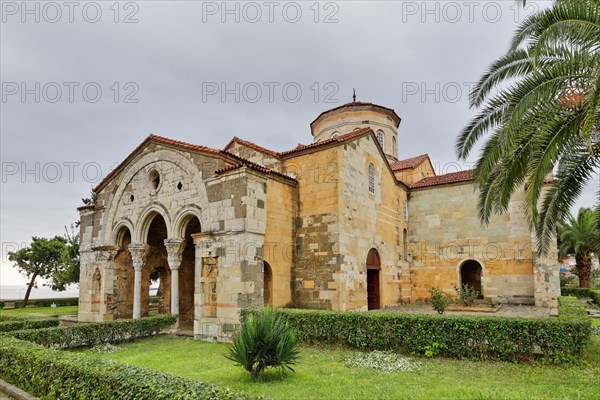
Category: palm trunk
[584,270]
[31,283]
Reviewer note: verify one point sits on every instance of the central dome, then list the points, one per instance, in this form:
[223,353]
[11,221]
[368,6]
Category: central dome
[356,115]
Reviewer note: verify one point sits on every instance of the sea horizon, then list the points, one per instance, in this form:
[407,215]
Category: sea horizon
[17,292]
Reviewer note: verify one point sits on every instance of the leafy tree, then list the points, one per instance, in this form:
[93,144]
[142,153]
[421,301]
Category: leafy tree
[540,106]
[264,341]
[69,271]
[43,258]
[579,237]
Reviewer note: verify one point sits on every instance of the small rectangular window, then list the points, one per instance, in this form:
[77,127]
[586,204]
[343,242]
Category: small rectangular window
[405,212]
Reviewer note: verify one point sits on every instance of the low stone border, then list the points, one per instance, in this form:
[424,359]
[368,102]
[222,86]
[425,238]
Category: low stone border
[14,392]
[486,309]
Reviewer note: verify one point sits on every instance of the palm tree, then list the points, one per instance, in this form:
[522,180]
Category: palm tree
[579,237]
[544,115]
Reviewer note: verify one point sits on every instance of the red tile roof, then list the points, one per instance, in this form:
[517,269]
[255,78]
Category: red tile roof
[453,177]
[249,164]
[251,145]
[359,104]
[338,139]
[409,162]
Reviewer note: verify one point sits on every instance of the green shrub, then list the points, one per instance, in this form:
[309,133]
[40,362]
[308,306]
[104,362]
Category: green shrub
[569,307]
[60,302]
[439,300]
[595,295]
[63,375]
[32,323]
[470,337]
[264,341]
[466,295]
[92,334]
[7,317]
[579,292]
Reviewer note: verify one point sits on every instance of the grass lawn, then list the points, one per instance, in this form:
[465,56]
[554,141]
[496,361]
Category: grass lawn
[321,374]
[596,321]
[41,310]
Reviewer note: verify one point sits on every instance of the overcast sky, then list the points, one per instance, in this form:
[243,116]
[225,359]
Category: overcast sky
[203,72]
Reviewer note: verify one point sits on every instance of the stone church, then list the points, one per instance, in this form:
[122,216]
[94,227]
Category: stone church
[338,224]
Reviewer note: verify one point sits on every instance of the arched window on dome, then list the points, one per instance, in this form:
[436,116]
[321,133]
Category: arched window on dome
[394,147]
[335,134]
[371,179]
[380,138]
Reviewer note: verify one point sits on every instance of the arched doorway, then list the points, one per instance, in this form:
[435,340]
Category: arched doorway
[96,291]
[373,290]
[156,260]
[268,284]
[470,274]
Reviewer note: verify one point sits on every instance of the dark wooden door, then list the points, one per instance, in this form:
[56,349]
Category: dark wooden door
[373,289]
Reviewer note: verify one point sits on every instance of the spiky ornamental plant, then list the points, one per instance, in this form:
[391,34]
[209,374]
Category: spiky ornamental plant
[264,341]
[544,115]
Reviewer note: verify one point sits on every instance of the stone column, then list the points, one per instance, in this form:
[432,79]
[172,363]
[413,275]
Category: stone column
[138,255]
[175,249]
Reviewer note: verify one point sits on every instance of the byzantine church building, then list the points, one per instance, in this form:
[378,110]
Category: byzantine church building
[342,223]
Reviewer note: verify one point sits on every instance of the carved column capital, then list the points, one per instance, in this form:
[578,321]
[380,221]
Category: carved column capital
[175,249]
[138,251]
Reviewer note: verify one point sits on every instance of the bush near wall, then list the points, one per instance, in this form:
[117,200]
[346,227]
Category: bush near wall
[469,337]
[91,334]
[62,375]
[20,324]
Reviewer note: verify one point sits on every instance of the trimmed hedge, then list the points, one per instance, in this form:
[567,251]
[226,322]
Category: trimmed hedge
[32,323]
[60,302]
[579,292]
[91,334]
[469,337]
[595,295]
[62,375]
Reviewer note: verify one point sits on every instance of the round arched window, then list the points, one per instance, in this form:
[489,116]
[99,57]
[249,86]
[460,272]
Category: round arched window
[154,178]
[380,138]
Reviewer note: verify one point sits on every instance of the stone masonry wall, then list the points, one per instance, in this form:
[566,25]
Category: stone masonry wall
[445,231]
[369,221]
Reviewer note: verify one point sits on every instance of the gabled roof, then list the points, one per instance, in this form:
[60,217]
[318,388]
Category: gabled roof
[453,177]
[253,166]
[339,139]
[251,145]
[147,141]
[409,163]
